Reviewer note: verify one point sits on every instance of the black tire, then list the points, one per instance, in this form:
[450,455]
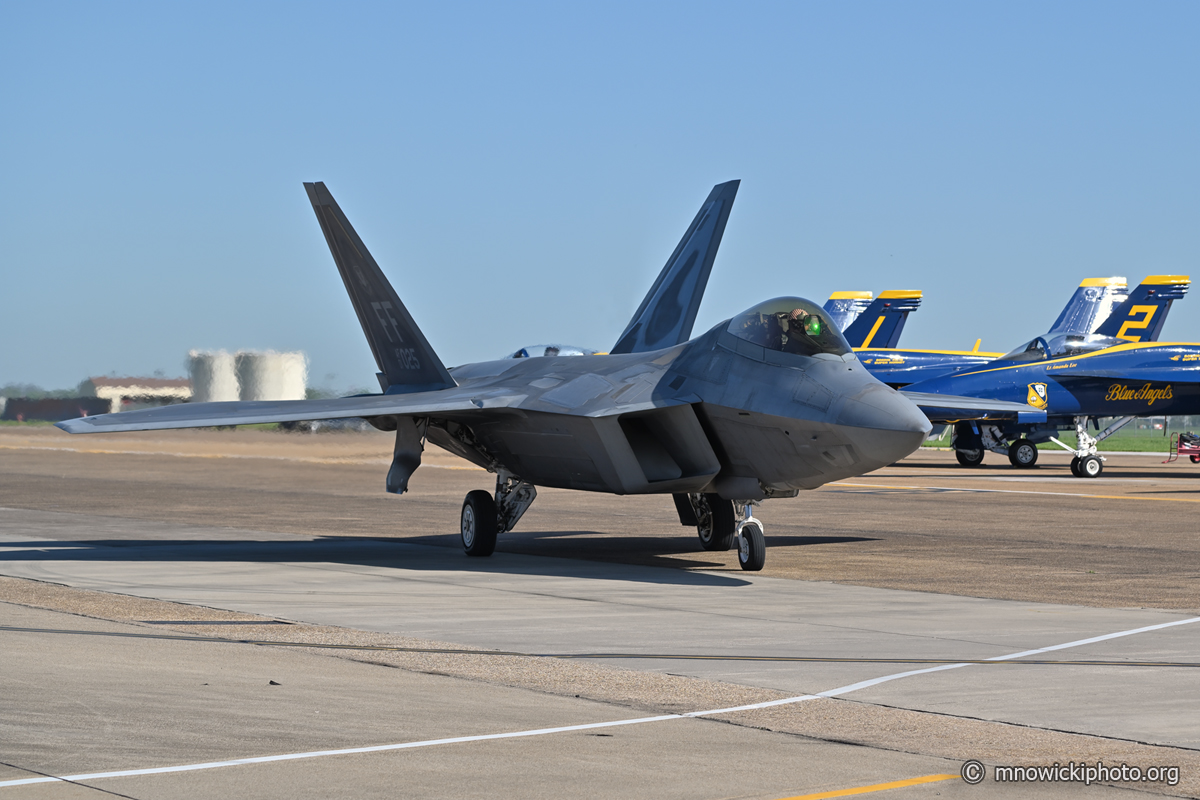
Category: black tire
[1090,467]
[1195,459]
[1075,467]
[752,553]
[969,458]
[1022,454]
[479,523]
[715,522]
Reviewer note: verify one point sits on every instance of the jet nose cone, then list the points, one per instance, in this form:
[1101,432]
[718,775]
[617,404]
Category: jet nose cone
[893,425]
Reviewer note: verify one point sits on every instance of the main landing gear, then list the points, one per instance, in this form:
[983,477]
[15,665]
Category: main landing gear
[1088,463]
[719,526]
[484,518]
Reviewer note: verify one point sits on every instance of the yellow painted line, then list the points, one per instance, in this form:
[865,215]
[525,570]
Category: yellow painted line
[874,329]
[851,296]
[878,787]
[1113,281]
[1015,491]
[300,459]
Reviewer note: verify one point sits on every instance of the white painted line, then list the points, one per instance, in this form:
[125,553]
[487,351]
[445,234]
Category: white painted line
[344,752]
[590,726]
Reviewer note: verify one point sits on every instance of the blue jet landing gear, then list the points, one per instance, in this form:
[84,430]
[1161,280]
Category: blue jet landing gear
[751,544]
[1088,463]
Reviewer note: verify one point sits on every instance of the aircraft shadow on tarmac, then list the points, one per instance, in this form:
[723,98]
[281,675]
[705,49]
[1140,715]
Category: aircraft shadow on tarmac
[409,554]
[648,551]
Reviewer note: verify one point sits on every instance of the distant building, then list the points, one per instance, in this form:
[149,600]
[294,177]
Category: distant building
[129,394]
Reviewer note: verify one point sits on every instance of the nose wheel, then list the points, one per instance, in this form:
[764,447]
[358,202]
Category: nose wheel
[752,545]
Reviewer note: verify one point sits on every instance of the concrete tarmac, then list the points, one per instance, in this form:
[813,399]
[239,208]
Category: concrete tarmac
[645,622]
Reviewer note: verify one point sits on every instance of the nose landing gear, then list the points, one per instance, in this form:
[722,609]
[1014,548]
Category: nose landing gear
[1088,463]
[752,545]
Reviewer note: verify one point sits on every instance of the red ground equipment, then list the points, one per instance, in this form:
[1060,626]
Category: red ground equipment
[1184,444]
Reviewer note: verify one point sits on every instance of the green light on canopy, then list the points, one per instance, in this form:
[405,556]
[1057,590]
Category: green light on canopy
[812,325]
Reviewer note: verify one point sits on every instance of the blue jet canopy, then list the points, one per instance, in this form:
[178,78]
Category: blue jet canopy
[790,325]
[1070,344]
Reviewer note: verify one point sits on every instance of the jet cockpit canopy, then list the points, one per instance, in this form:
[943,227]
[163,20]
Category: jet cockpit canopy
[1060,346]
[790,325]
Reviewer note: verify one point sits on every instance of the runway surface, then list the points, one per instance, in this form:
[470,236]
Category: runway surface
[895,630]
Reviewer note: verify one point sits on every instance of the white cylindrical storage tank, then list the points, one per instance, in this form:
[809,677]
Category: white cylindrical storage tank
[271,376]
[213,376]
[294,377]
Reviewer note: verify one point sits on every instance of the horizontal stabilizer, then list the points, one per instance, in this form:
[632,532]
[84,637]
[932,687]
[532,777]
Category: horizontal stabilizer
[942,408]
[406,361]
[883,320]
[667,313]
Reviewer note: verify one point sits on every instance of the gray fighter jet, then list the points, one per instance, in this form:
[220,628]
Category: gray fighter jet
[763,405]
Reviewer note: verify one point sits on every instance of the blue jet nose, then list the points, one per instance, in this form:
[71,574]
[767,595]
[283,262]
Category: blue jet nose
[890,425]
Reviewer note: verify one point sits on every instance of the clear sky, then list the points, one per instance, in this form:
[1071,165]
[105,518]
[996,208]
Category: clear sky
[522,171]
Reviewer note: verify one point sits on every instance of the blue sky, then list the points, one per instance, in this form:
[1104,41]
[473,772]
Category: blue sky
[522,171]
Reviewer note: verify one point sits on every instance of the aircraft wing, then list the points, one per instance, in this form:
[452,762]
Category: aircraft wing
[952,408]
[202,415]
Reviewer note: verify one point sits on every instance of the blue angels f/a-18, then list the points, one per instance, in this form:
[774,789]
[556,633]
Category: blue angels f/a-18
[1099,306]
[763,405]
[1076,379]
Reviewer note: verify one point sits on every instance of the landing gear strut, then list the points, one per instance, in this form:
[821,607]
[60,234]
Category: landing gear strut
[484,518]
[752,545]
[1088,463]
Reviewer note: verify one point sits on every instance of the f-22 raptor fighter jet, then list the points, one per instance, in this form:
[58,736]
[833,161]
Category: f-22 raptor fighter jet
[763,405]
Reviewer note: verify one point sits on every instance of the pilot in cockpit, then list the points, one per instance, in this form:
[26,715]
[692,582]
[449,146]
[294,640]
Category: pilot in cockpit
[800,328]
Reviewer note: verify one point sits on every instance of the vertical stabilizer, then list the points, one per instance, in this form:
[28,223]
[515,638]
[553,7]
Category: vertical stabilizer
[406,361]
[666,316]
[883,320]
[1140,318]
[845,307]
[1091,304]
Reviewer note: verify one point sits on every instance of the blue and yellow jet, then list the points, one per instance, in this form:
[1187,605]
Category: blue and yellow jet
[1098,306]
[1075,379]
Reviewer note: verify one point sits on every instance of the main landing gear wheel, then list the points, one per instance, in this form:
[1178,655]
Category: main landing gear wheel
[1090,467]
[479,523]
[1022,454]
[752,547]
[715,521]
[969,458]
